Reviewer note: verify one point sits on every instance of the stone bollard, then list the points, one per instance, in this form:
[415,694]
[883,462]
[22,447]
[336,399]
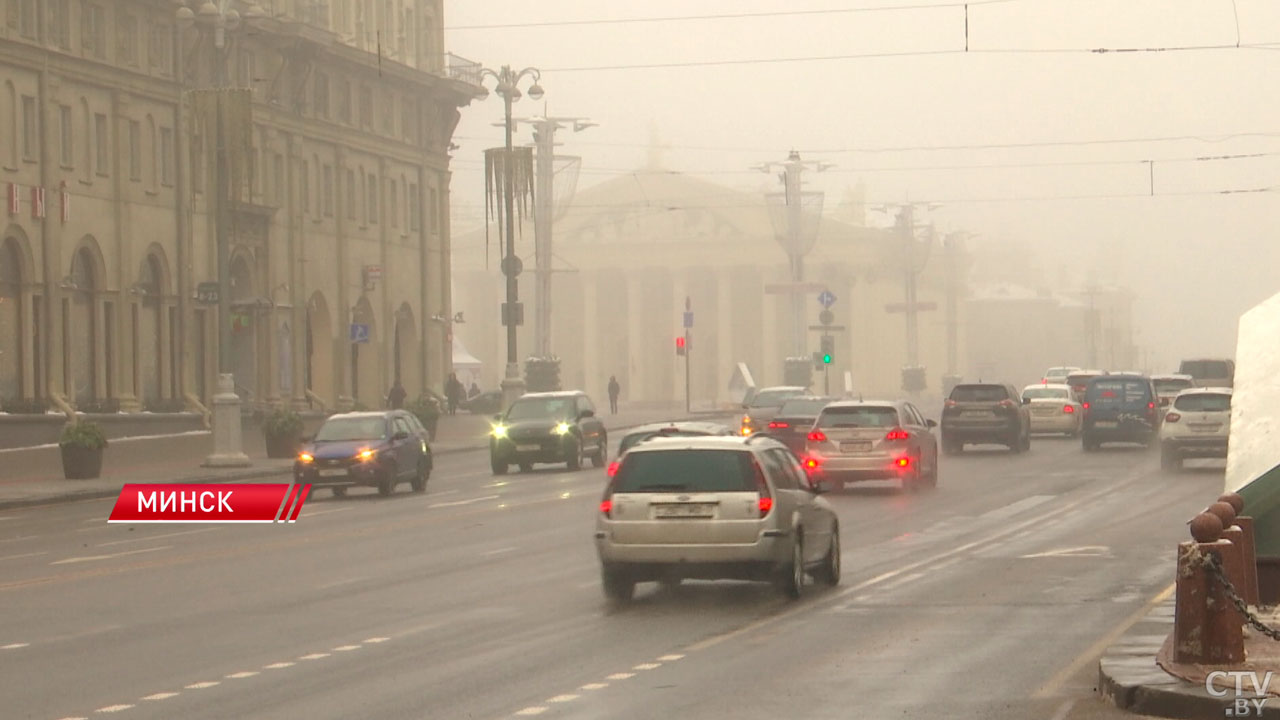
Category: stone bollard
[1207,629]
[226,427]
[1248,550]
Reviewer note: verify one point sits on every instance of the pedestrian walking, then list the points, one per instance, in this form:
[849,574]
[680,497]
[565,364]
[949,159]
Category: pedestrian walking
[454,392]
[614,390]
[474,391]
[396,395]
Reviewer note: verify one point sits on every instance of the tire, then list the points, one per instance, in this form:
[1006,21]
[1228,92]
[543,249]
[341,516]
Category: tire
[618,585]
[574,462]
[829,573]
[499,468]
[1015,446]
[419,482]
[931,480]
[1026,443]
[526,467]
[791,574]
[387,484]
[339,490]
[601,455]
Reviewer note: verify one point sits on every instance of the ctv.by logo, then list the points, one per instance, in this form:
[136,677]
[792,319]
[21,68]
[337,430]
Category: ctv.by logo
[1243,704]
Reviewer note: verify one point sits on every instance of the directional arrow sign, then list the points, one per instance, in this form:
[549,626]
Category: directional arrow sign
[827,298]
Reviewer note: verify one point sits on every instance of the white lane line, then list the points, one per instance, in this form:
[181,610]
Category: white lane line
[1063,709]
[313,513]
[24,555]
[113,708]
[9,517]
[19,538]
[278,666]
[487,553]
[1014,508]
[564,698]
[161,696]
[337,583]
[346,648]
[670,658]
[456,503]
[647,666]
[75,718]
[594,686]
[901,581]
[621,676]
[377,640]
[593,583]
[91,558]
[537,710]
[157,537]
[314,656]
[203,685]
[14,646]
[242,674]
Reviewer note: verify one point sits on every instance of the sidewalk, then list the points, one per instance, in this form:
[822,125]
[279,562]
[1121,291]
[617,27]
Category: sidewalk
[1137,673]
[33,476]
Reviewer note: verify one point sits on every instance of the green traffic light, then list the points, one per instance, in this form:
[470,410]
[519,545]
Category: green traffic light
[826,358]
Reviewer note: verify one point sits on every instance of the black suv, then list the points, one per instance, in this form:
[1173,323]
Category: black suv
[549,427]
[992,413]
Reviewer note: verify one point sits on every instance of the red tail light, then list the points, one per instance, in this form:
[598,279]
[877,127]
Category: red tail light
[902,463]
[776,425]
[817,436]
[898,434]
[1006,403]
[613,468]
[766,504]
[1068,409]
[1084,405]
[1172,417]
[950,403]
[811,464]
[606,507]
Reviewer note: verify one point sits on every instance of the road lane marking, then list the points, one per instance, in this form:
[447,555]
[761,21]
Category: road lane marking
[564,698]
[313,513]
[499,551]
[1016,507]
[203,685]
[1086,551]
[346,648]
[594,686]
[647,666]
[1063,709]
[456,503]
[92,558]
[537,710]
[243,674]
[670,658]
[161,696]
[24,555]
[278,666]
[157,537]
[621,676]
[901,581]
[19,538]
[113,708]
[337,583]
[378,639]
[9,517]
[314,656]
[1100,646]
[75,718]
[14,646]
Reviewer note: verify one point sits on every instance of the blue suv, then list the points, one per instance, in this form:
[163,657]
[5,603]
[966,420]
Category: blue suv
[1120,408]
[378,449]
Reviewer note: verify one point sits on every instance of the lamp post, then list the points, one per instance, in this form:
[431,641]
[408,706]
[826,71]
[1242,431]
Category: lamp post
[507,86]
[220,17]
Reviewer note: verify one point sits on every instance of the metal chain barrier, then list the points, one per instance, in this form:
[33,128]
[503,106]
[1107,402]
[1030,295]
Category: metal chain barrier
[1214,566]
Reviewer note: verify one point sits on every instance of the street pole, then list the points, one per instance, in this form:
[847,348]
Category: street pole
[220,213]
[908,230]
[794,220]
[688,350]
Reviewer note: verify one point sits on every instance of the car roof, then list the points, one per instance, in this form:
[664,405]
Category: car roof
[365,414]
[1206,391]
[552,394]
[1065,367]
[782,387]
[1089,372]
[703,425]
[704,442]
[863,403]
[1173,376]
[1055,386]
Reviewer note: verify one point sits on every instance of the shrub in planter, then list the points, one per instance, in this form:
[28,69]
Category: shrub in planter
[82,444]
[282,429]
[427,409]
[542,374]
[23,406]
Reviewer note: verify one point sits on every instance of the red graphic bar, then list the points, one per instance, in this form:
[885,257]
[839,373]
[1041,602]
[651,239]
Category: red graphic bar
[237,503]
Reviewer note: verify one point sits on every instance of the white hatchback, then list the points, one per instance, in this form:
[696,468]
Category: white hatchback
[1198,425]
[1054,409]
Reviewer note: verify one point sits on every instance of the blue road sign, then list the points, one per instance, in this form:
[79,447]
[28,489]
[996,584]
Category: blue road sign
[688,320]
[359,333]
[827,298]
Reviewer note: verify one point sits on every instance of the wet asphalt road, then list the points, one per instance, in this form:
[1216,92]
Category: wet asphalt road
[990,597]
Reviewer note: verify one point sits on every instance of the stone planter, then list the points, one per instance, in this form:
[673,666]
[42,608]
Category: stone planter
[81,463]
[283,446]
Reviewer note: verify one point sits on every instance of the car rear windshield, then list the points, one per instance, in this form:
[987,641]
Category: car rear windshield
[1206,369]
[1079,379]
[1203,402]
[772,398]
[634,439]
[1042,393]
[346,429]
[979,393]
[859,417]
[541,409]
[807,407]
[686,471]
[1172,386]
[1105,392]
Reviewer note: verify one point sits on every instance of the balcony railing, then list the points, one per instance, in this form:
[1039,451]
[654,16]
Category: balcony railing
[460,68]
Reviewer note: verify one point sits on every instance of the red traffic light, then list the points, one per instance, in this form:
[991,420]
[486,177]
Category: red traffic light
[680,342]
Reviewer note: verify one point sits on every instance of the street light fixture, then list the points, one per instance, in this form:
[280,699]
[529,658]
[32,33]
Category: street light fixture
[507,83]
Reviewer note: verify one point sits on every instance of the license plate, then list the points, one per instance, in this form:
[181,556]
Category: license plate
[1205,428]
[855,447]
[1044,411]
[528,448]
[333,472]
[1105,424]
[683,510]
[976,413]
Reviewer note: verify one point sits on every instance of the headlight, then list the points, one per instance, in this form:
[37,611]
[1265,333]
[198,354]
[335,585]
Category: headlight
[367,455]
[499,431]
[305,458]
[562,428]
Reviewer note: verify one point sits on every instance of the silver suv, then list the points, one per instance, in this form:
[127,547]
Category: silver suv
[714,508]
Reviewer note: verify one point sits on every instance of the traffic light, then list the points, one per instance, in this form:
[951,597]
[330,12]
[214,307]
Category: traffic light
[680,345]
[828,349]
[826,358]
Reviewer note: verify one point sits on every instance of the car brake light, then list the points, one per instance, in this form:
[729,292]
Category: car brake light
[897,434]
[1006,403]
[817,436]
[902,462]
[1068,409]
[765,503]
[613,468]
[606,507]
[811,463]
[950,403]
[1084,405]
[1172,417]
[776,425]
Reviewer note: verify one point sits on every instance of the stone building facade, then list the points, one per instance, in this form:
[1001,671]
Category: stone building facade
[107,235]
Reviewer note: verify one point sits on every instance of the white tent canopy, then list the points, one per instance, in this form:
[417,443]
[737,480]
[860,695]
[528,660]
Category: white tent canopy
[466,365]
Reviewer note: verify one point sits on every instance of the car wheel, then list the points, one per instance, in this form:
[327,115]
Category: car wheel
[387,483]
[499,468]
[1015,445]
[1026,443]
[931,481]
[829,573]
[791,575]
[575,457]
[419,482]
[526,467]
[618,584]
[339,491]
[601,454]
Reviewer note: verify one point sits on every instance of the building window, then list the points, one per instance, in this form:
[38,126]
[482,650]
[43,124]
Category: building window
[135,150]
[389,116]
[93,31]
[102,144]
[328,191]
[60,23]
[161,50]
[372,191]
[344,101]
[394,210]
[30,129]
[366,107]
[351,195]
[306,187]
[127,39]
[166,156]
[320,96]
[415,208]
[197,164]
[22,17]
[65,132]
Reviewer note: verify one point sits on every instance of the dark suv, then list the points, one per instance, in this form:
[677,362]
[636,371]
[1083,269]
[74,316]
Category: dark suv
[1120,408]
[993,413]
[548,427]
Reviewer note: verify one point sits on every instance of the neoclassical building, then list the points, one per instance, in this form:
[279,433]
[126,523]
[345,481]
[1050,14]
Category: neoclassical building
[629,252]
[107,234]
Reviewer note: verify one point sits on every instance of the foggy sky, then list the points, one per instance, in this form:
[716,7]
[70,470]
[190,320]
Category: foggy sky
[1196,259]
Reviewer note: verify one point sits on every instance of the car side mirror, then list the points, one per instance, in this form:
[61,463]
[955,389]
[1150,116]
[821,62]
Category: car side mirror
[815,486]
[497,418]
[400,435]
[586,414]
[307,438]
[931,423]
[1026,401]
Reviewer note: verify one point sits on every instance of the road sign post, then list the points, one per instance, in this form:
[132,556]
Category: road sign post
[688,330]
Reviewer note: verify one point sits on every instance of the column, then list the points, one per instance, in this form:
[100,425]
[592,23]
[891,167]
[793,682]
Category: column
[635,386]
[696,354]
[341,313]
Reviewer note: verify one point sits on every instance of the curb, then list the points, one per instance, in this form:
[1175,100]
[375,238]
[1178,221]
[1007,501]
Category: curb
[250,474]
[1129,677]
